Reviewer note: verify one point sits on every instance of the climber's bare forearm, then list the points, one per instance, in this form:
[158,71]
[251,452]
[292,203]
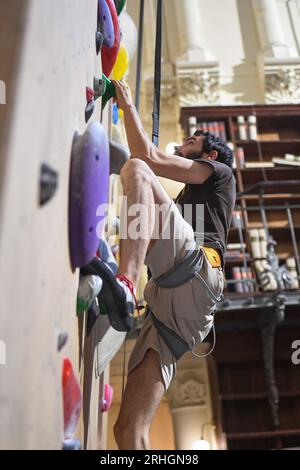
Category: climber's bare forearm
[138,142]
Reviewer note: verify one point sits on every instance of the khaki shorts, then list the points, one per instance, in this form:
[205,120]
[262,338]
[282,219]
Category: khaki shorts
[188,309]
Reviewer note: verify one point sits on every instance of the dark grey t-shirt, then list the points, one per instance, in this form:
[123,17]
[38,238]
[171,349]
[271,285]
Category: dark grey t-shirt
[217,195]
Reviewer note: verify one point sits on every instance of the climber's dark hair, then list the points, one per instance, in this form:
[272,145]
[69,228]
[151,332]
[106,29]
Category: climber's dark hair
[212,142]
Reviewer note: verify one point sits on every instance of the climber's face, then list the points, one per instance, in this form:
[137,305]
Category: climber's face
[192,147]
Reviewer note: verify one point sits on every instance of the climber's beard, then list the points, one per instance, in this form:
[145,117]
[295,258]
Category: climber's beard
[194,155]
[178,152]
[190,156]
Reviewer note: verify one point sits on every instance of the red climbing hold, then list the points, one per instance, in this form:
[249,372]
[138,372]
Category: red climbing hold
[107,398]
[72,399]
[89,94]
[109,55]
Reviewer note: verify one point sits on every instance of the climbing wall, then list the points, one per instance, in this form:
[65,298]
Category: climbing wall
[52,64]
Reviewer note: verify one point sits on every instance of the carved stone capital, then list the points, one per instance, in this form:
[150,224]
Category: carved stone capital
[199,86]
[189,392]
[282,84]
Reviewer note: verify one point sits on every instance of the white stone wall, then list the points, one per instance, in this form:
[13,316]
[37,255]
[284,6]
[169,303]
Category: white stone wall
[227,32]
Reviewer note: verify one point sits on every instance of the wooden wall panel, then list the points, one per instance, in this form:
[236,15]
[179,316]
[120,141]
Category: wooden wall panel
[56,60]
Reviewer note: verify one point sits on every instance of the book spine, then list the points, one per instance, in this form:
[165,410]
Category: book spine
[211,127]
[242,128]
[222,130]
[237,276]
[204,126]
[250,276]
[252,127]
[192,124]
[216,129]
[240,157]
[244,276]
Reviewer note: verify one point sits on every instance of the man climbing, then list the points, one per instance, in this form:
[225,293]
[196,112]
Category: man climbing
[180,316]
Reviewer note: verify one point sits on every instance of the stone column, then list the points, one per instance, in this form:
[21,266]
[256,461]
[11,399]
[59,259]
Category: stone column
[197,69]
[278,65]
[191,36]
[190,404]
[269,26]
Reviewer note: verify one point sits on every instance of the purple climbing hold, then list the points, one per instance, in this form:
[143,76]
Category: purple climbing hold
[105,24]
[88,190]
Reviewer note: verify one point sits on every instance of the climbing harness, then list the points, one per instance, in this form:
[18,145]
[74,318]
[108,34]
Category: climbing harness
[189,268]
[183,272]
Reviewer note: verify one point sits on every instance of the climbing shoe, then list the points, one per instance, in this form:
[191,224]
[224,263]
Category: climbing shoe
[117,294]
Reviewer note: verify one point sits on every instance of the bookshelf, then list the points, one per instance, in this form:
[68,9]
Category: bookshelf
[276,134]
[255,413]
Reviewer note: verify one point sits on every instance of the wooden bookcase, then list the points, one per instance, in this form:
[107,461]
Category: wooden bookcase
[278,128]
[246,364]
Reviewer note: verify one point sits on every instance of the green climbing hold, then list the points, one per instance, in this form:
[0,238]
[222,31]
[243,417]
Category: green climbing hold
[110,91]
[89,288]
[120,4]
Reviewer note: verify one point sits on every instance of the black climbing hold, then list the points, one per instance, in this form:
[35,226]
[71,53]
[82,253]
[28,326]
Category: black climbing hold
[92,95]
[62,340]
[99,41]
[99,87]
[89,110]
[48,183]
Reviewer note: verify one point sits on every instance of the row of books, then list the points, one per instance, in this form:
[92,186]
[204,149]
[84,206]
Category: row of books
[239,160]
[247,128]
[217,128]
[288,160]
[245,275]
[235,247]
[236,251]
[243,279]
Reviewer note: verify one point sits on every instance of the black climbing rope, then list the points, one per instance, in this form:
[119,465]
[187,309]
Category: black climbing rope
[139,57]
[157,75]
[124,367]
